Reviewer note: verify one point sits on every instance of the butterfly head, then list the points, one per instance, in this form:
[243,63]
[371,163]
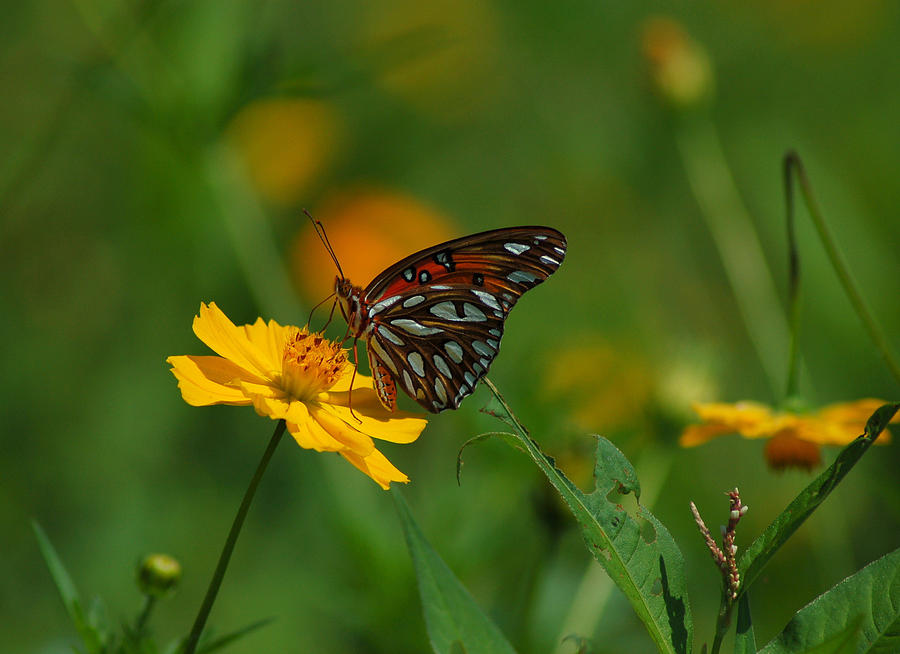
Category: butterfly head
[348,298]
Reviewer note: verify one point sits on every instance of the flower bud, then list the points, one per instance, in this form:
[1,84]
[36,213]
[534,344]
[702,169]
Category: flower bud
[680,70]
[158,574]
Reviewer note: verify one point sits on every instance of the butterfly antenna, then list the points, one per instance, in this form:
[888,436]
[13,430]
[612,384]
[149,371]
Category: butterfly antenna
[320,231]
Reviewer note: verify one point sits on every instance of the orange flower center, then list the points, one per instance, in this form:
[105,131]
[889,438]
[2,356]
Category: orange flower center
[310,365]
[784,450]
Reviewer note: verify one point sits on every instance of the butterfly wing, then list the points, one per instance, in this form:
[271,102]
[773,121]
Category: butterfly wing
[435,319]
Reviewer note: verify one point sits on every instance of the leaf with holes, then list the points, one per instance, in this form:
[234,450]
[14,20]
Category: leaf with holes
[637,552]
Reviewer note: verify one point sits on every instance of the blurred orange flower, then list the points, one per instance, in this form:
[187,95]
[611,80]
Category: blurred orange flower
[286,145]
[303,378]
[794,438]
[370,229]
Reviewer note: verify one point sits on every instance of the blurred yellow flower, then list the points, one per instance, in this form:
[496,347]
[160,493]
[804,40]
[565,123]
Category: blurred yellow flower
[370,229]
[286,144]
[794,438]
[606,386]
[440,56]
[680,69]
[300,377]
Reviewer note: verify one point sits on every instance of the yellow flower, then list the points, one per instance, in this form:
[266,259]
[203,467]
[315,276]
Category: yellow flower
[794,438]
[300,377]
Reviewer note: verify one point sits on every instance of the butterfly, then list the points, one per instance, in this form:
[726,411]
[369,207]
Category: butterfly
[432,322]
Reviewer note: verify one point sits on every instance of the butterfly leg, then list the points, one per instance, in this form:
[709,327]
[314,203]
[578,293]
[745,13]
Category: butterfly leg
[352,379]
[330,315]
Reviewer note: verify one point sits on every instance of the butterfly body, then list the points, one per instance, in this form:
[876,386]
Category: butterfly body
[433,321]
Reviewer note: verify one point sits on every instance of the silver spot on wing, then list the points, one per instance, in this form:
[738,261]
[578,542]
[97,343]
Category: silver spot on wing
[389,335]
[487,298]
[439,287]
[418,365]
[407,381]
[413,301]
[447,311]
[521,276]
[560,250]
[483,349]
[441,365]
[549,260]
[516,248]
[382,305]
[492,343]
[415,328]
[469,377]
[439,390]
[454,351]
[495,332]
[382,355]
[485,363]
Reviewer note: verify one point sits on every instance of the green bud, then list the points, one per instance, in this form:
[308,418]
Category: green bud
[158,574]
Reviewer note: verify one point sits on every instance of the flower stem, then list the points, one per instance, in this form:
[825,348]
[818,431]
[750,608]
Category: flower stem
[141,622]
[793,281]
[216,581]
[735,237]
[792,162]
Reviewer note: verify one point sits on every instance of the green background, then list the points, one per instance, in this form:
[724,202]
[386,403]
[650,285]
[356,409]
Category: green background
[113,228]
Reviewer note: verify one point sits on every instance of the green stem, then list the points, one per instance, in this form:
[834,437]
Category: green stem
[723,621]
[739,247]
[141,622]
[216,581]
[792,162]
[793,281]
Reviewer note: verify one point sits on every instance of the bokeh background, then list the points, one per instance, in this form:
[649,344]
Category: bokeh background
[157,154]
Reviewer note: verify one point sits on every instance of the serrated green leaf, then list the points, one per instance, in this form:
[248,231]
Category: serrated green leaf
[67,591]
[454,622]
[757,555]
[861,613]
[744,638]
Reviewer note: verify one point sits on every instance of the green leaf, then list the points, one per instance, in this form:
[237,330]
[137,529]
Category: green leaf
[67,591]
[647,568]
[744,638]
[455,623]
[860,614]
[757,555]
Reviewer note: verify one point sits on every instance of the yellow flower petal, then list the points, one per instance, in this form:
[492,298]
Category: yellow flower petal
[698,434]
[370,417]
[270,338]
[377,467]
[308,433]
[230,342]
[343,432]
[207,380]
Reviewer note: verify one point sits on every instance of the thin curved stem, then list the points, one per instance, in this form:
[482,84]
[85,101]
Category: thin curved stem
[793,163]
[793,281]
[216,581]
